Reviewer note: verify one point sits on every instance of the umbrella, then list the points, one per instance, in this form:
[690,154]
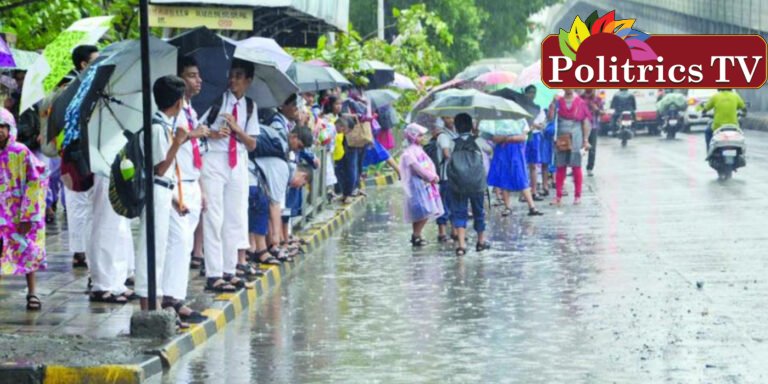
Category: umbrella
[271,86]
[202,44]
[477,104]
[23,59]
[379,74]
[471,72]
[113,103]
[56,62]
[529,75]
[381,97]
[310,78]
[318,63]
[544,95]
[6,58]
[521,100]
[340,79]
[495,78]
[403,82]
[269,50]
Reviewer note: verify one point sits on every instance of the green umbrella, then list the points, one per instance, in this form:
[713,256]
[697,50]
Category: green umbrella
[471,72]
[56,61]
[477,104]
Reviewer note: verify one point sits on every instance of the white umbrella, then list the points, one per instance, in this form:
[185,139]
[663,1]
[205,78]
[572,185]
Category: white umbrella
[118,105]
[403,82]
[271,86]
[267,50]
[477,104]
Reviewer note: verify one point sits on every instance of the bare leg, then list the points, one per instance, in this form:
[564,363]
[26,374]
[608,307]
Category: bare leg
[275,224]
[31,283]
[392,164]
[545,177]
[529,199]
[532,177]
[462,233]
[418,227]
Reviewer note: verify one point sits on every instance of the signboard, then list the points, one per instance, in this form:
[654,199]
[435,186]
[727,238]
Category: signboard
[163,16]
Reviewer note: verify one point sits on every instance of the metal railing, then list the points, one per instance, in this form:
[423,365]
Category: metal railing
[313,197]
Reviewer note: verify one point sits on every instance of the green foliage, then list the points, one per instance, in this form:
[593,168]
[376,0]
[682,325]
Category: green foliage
[507,26]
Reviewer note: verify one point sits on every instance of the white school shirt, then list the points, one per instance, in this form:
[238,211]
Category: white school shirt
[161,144]
[184,155]
[227,105]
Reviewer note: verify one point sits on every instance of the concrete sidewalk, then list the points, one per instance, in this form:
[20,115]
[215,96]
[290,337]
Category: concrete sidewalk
[74,340]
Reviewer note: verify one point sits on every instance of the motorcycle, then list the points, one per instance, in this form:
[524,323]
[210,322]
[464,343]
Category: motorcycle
[626,129]
[727,151]
[673,122]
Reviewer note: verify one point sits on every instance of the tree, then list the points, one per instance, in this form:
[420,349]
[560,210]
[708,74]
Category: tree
[506,29]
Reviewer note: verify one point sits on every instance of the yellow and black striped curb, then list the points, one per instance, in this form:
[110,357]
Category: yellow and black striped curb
[225,309]
[380,181]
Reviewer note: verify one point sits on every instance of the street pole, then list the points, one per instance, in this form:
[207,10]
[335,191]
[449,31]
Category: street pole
[381,19]
[149,212]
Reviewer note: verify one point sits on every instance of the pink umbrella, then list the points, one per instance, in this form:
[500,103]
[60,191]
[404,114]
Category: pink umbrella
[531,74]
[318,63]
[496,78]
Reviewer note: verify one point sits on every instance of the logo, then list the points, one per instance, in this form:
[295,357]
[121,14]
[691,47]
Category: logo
[603,52]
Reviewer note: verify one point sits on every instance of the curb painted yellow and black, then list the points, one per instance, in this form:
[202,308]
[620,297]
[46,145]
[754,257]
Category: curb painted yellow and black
[380,181]
[225,309]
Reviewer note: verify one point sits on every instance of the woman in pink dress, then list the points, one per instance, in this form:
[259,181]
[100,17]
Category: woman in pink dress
[419,180]
[573,116]
[23,185]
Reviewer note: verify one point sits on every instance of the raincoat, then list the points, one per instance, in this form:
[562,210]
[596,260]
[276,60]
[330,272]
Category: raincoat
[422,197]
[23,185]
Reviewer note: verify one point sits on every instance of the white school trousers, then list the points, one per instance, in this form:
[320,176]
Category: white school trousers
[111,243]
[79,216]
[225,228]
[163,207]
[181,240]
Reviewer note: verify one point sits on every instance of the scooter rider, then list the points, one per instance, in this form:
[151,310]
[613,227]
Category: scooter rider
[726,104]
[622,101]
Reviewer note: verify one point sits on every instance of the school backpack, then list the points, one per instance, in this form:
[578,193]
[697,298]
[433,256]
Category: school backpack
[127,180]
[465,169]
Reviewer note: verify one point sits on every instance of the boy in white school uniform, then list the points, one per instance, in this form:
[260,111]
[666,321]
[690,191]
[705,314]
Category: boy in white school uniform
[166,142]
[225,176]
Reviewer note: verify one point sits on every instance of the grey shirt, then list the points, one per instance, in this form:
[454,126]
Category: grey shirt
[445,140]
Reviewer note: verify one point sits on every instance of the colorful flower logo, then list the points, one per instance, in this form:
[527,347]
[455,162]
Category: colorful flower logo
[581,31]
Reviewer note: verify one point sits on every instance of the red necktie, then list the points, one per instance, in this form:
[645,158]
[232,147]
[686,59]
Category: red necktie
[197,160]
[233,142]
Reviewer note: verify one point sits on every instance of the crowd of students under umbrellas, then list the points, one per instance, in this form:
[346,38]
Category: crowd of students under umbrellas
[555,138]
[241,170]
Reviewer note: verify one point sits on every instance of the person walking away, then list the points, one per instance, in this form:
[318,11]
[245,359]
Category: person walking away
[533,144]
[467,183]
[727,105]
[419,181]
[23,182]
[168,92]
[595,105]
[572,138]
[446,137]
[234,126]
[188,197]
[509,171]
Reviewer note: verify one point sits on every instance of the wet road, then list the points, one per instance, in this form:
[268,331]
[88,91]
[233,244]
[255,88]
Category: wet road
[658,277]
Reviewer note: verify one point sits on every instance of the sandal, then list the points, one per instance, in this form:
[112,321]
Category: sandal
[483,246]
[130,295]
[196,262]
[577,201]
[256,257]
[34,303]
[193,316]
[534,212]
[461,251]
[418,241]
[107,297]
[238,282]
[130,282]
[556,202]
[537,197]
[247,271]
[219,286]
[544,193]
[444,239]
[506,212]
[279,254]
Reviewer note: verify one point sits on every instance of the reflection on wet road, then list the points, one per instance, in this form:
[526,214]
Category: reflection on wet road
[657,277]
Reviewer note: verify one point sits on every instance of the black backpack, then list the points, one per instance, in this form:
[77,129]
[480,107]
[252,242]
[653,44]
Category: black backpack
[465,170]
[128,196]
[432,149]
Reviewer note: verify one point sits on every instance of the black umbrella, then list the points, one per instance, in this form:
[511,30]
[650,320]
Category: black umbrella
[520,99]
[379,74]
[203,44]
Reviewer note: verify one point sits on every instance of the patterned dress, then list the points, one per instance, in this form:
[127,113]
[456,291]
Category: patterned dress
[23,185]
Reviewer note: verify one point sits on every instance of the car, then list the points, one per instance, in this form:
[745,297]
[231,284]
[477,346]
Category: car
[693,116]
[645,115]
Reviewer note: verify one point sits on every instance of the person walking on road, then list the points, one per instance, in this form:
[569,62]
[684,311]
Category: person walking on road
[595,105]
[23,183]
[419,180]
[571,140]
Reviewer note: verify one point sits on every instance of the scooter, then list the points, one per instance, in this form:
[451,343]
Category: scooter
[673,122]
[727,151]
[626,123]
